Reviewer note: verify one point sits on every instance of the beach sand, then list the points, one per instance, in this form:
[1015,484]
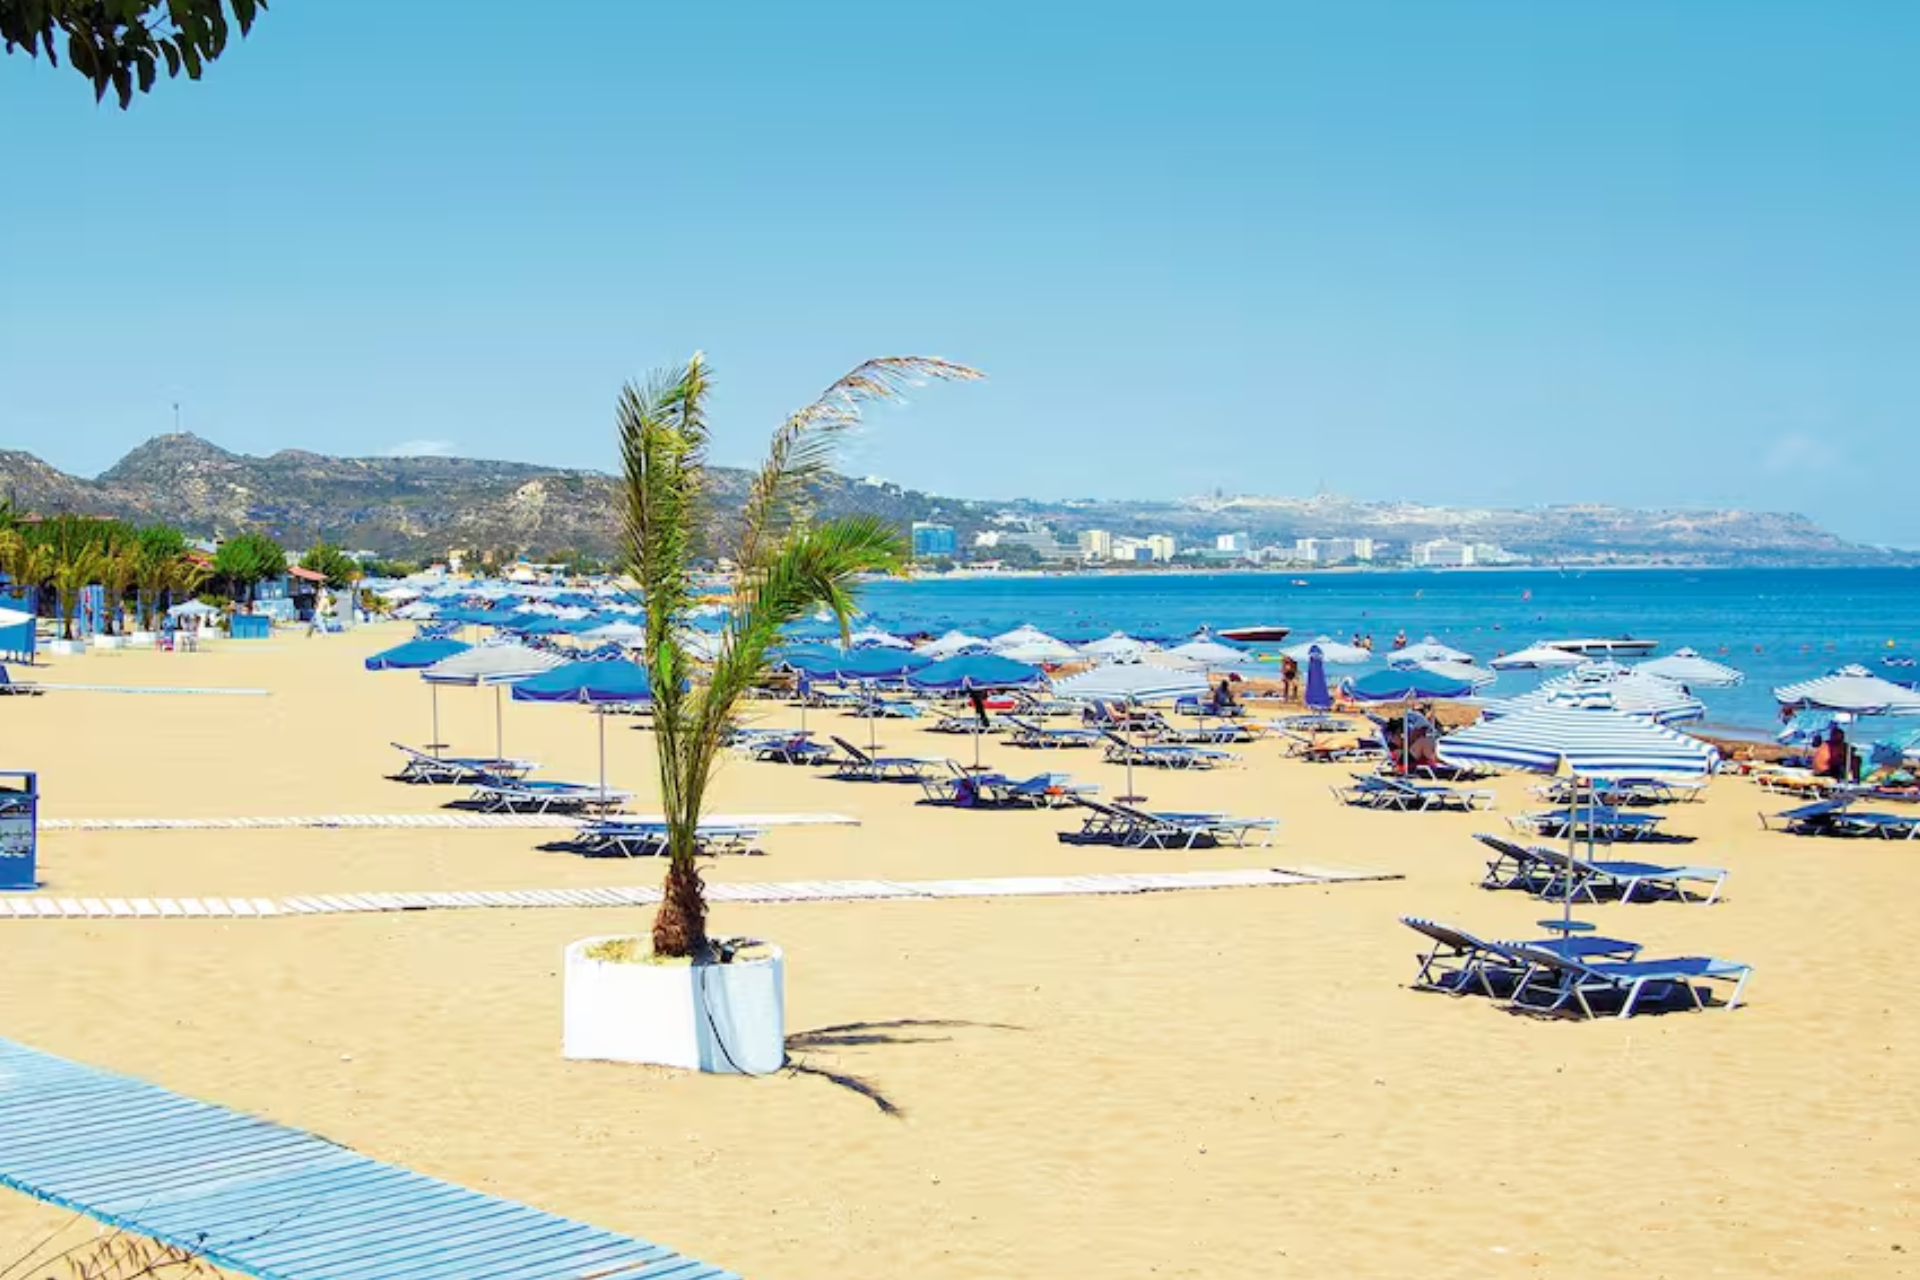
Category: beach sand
[1216,1083]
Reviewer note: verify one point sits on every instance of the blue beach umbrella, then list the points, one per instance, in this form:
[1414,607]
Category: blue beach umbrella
[975,671]
[417,655]
[594,683]
[1594,741]
[1405,684]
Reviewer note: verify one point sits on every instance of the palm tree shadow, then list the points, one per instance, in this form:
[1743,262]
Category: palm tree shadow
[859,1035]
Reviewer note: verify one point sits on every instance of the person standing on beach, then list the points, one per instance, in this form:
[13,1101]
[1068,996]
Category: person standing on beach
[1289,679]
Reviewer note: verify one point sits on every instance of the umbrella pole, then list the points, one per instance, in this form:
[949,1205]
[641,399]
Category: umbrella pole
[437,746]
[499,728]
[603,753]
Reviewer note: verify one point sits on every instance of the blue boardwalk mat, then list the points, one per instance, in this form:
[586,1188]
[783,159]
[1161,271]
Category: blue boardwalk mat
[260,1198]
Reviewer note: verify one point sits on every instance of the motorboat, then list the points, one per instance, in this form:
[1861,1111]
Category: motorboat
[1255,635]
[1621,647]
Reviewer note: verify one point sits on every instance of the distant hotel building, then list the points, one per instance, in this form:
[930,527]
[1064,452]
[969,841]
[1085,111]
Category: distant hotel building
[931,540]
[1233,543]
[1443,553]
[1332,550]
[1096,544]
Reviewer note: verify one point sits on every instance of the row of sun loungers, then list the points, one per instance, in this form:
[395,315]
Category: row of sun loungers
[533,795]
[1583,975]
[633,839]
[457,770]
[989,790]
[1558,875]
[1603,823]
[1620,793]
[1161,756]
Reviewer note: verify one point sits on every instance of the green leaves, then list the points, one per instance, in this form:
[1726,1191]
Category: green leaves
[119,44]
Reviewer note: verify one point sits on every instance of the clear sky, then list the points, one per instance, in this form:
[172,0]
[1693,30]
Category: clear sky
[1472,251]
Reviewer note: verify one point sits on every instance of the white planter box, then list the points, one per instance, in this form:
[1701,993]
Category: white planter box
[707,1017]
[141,640]
[106,642]
[67,648]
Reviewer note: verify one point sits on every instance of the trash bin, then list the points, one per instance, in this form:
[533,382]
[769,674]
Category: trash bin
[250,626]
[19,829]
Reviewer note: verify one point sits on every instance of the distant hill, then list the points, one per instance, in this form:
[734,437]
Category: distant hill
[426,506]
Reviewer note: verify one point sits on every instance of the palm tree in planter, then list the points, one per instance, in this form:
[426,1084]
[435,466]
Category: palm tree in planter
[785,566]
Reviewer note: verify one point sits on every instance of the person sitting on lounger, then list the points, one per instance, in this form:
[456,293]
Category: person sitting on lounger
[1222,702]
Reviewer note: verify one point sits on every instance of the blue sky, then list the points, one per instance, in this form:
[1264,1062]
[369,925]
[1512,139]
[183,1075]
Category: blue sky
[1470,251]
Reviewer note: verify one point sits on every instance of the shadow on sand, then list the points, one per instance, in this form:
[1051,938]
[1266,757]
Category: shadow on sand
[859,1035]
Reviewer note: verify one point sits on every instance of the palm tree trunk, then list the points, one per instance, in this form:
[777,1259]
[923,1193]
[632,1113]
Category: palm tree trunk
[680,926]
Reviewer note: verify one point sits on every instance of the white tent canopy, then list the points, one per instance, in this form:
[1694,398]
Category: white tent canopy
[193,609]
[1210,654]
[492,664]
[1040,651]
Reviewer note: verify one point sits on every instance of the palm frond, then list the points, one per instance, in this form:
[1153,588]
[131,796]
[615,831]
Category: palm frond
[802,449]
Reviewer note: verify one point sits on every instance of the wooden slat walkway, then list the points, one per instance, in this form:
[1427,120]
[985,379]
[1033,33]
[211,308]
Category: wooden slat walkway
[269,1201]
[42,906]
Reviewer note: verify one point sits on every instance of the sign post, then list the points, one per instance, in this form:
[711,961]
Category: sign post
[19,828]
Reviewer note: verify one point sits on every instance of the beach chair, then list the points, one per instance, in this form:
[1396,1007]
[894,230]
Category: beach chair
[887,709]
[1213,735]
[1205,708]
[965,722]
[1113,715]
[1370,791]
[1137,828]
[1047,737]
[1513,866]
[1155,755]
[1379,791]
[457,770]
[1820,818]
[535,796]
[858,766]
[1887,826]
[1598,822]
[792,748]
[1459,963]
[1554,983]
[8,686]
[630,838]
[1036,706]
[987,790]
[1575,877]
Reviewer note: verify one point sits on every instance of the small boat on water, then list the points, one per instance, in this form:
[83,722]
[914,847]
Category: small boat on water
[1255,635]
[1621,647]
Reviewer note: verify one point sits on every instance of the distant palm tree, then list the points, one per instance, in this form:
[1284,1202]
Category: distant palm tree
[785,567]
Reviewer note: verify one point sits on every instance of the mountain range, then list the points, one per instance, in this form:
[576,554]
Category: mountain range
[423,507]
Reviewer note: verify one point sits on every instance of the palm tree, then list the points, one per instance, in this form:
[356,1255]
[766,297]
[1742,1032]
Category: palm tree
[785,567]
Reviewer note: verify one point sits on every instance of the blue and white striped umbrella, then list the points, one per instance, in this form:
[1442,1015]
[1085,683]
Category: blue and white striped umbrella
[1428,651]
[1136,682]
[1662,700]
[1687,667]
[1853,689]
[1594,741]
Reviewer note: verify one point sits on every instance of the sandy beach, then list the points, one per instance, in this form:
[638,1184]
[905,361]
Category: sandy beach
[1218,1083]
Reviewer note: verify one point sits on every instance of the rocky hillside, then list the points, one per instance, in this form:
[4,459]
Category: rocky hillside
[426,506]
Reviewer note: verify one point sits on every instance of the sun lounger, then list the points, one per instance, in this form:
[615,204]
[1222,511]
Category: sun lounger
[1138,828]
[1036,706]
[1446,773]
[1216,735]
[422,767]
[1028,734]
[648,839]
[1120,751]
[1575,877]
[1514,866]
[1556,983]
[8,686]
[1459,963]
[1795,782]
[1114,715]
[1377,791]
[1191,706]
[1314,751]
[964,722]
[792,748]
[1887,826]
[1616,793]
[858,766]
[534,796]
[1598,822]
[1820,818]
[989,790]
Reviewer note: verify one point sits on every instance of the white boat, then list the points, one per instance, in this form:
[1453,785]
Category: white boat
[1623,646]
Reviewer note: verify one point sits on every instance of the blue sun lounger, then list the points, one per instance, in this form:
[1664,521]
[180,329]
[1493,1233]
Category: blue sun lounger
[1459,963]
[9,686]
[1138,828]
[1599,821]
[1514,866]
[990,790]
[1556,983]
[1378,791]
[791,748]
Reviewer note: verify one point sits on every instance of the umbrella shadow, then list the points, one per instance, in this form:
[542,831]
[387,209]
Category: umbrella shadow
[803,1045]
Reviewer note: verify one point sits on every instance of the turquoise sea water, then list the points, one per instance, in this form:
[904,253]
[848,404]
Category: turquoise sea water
[1775,625]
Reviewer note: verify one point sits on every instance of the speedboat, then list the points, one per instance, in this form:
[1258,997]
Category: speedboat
[1624,646]
[1255,635]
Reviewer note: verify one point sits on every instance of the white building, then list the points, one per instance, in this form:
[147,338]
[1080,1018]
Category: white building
[1363,548]
[1096,544]
[1233,543]
[1162,546]
[1443,553]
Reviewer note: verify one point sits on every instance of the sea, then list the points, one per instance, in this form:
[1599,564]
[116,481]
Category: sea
[1774,625]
